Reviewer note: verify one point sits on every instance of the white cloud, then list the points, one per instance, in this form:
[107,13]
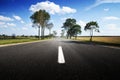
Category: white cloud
[111,29]
[68,10]
[82,23]
[4,18]
[111,18]
[28,25]
[2,23]
[5,25]
[17,17]
[22,21]
[51,7]
[106,9]
[63,19]
[111,26]
[24,28]
[11,24]
[99,2]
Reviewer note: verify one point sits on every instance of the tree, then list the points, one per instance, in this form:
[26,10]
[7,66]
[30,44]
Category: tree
[62,33]
[49,26]
[13,36]
[75,30]
[40,19]
[68,24]
[92,26]
[54,33]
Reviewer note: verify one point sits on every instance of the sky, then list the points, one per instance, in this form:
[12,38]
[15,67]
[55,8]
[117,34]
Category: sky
[15,15]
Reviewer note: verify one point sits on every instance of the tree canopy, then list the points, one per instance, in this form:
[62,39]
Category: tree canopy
[71,27]
[93,25]
[75,30]
[69,23]
[40,18]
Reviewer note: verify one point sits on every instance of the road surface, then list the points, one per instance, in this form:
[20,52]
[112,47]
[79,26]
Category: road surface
[40,61]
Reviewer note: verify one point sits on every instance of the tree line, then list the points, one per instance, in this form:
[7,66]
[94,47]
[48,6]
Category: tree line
[41,19]
[14,36]
[74,29]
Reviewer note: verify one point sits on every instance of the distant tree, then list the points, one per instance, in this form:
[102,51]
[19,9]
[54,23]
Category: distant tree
[49,26]
[68,24]
[92,26]
[23,35]
[54,33]
[13,36]
[4,36]
[75,30]
[62,33]
[39,19]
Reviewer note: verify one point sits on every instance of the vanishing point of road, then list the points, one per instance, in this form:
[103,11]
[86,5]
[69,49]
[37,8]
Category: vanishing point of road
[59,59]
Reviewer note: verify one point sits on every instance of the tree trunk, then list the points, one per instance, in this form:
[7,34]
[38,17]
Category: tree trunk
[76,37]
[38,32]
[41,32]
[70,36]
[49,31]
[91,38]
[67,36]
[91,34]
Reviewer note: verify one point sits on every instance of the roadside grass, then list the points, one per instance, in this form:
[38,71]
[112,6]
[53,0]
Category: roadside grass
[109,40]
[18,40]
[10,41]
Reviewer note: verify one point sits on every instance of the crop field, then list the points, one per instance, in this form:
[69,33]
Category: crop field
[105,39]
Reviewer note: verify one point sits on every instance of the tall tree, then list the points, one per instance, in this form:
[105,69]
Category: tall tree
[92,26]
[68,24]
[49,26]
[40,19]
[75,30]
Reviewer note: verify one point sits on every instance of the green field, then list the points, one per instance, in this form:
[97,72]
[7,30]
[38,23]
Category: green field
[104,39]
[10,41]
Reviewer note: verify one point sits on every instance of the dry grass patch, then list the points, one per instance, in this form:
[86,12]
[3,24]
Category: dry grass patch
[108,39]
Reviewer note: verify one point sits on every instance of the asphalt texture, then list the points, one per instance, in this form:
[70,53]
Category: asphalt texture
[38,61]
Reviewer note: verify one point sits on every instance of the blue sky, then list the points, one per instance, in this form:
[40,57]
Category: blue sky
[15,15]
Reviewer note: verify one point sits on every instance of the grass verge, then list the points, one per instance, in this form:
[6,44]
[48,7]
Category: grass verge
[11,41]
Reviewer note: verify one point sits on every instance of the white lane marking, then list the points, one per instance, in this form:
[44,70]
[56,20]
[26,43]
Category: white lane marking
[61,59]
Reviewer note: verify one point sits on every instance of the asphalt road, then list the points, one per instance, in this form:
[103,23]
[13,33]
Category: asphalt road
[39,61]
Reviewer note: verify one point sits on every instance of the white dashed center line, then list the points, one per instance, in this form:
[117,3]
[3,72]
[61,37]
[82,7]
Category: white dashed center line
[61,59]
